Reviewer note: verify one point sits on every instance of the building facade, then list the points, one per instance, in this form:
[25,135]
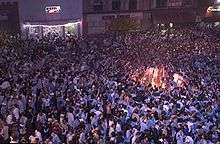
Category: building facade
[37,18]
[100,16]
[43,17]
[174,11]
[9,17]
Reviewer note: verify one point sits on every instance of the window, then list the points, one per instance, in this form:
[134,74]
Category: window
[98,5]
[132,4]
[187,2]
[174,3]
[116,4]
[3,16]
[15,3]
[161,3]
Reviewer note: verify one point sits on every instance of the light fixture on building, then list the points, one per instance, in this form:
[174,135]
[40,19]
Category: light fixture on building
[213,9]
[171,25]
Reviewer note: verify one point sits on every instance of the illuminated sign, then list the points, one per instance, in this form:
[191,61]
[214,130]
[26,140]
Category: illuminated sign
[212,9]
[53,9]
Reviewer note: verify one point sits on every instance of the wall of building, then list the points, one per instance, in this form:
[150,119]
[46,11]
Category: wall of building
[42,16]
[101,23]
[107,19]
[146,14]
[150,12]
[9,16]
[34,10]
[174,11]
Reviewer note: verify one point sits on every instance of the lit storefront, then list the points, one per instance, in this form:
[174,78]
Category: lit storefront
[43,18]
[213,13]
[39,30]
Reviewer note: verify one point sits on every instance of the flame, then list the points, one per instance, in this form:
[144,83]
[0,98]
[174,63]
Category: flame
[151,75]
[156,76]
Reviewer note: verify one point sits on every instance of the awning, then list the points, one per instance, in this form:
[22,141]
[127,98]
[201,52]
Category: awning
[54,22]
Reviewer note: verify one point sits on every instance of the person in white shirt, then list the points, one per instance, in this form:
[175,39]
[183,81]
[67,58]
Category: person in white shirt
[179,137]
[118,127]
[134,138]
[111,130]
[69,137]
[202,141]
[42,118]
[13,140]
[5,132]
[23,119]
[55,138]
[22,102]
[16,112]
[189,124]
[9,119]
[38,135]
[189,140]
[82,138]
[70,118]
[128,136]
[32,139]
[94,120]
[46,102]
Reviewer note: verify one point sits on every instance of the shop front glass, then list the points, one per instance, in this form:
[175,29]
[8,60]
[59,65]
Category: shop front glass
[53,30]
[35,31]
[49,30]
[72,29]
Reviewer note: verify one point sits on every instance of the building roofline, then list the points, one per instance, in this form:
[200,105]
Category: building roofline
[113,12]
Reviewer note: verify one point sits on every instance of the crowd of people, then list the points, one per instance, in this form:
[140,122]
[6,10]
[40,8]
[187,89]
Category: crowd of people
[79,90]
